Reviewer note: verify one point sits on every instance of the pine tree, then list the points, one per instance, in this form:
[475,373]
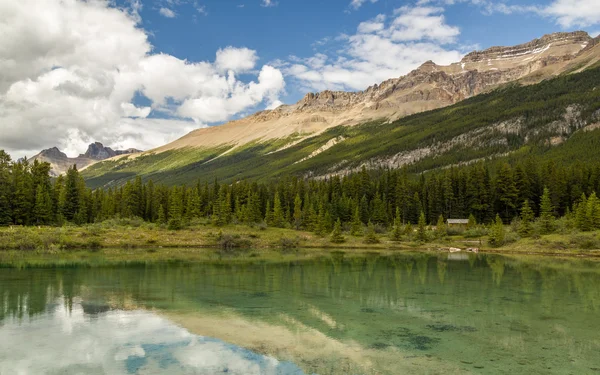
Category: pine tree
[593,211]
[581,220]
[71,200]
[472,223]
[278,219]
[396,234]
[422,228]
[356,227]
[497,233]
[525,226]
[336,235]
[162,217]
[546,213]
[370,235]
[43,206]
[441,229]
[5,189]
[297,212]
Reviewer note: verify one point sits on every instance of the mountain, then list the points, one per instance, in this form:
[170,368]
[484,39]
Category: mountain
[60,162]
[291,138]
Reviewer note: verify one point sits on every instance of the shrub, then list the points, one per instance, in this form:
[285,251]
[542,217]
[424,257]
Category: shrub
[289,243]
[370,236]
[476,232]
[175,224]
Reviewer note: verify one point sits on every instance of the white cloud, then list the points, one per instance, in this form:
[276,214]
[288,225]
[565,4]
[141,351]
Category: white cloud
[566,13]
[355,4]
[167,13]
[268,3]
[382,48]
[236,59]
[570,13]
[71,69]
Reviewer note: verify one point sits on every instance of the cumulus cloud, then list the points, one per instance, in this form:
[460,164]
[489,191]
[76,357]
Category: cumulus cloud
[355,4]
[382,48]
[570,13]
[566,13]
[71,70]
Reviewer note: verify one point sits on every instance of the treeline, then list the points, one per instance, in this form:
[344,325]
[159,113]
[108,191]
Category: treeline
[28,196]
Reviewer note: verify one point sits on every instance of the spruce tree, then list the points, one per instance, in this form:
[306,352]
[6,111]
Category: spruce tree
[527,216]
[441,229]
[336,235]
[396,234]
[297,212]
[71,200]
[546,213]
[581,220]
[472,223]
[422,228]
[278,218]
[356,227]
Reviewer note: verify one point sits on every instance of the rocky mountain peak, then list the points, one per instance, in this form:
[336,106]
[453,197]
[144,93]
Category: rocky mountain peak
[534,46]
[97,151]
[53,152]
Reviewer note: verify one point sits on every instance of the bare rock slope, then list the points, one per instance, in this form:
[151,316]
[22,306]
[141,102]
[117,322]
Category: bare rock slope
[428,87]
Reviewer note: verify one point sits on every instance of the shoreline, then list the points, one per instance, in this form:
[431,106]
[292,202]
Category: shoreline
[148,242]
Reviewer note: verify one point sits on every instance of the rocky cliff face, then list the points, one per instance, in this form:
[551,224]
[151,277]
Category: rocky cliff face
[430,86]
[97,151]
[60,162]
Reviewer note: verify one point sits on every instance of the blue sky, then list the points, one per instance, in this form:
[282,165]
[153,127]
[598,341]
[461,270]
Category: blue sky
[141,73]
[302,28]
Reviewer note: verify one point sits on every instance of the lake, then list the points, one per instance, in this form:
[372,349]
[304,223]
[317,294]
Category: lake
[352,313]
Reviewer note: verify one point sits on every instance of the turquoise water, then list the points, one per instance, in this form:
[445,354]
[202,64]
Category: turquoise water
[339,314]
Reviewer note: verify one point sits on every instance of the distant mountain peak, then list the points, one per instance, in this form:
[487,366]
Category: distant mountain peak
[96,151]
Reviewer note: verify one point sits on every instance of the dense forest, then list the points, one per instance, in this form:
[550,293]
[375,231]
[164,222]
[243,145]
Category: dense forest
[485,192]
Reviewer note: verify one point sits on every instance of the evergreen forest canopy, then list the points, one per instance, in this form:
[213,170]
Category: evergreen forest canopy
[485,192]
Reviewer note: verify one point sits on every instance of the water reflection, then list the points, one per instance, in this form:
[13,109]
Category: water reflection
[91,339]
[346,313]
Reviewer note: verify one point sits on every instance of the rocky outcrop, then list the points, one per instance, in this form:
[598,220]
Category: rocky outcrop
[60,162]
[97,151]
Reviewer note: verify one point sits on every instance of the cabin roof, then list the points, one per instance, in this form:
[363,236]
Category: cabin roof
[458,221]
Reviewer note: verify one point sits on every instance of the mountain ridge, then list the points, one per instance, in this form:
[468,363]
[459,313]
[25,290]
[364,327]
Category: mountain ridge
[308,128]
[60,162]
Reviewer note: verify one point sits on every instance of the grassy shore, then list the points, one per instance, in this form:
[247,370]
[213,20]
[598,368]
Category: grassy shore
[151,238]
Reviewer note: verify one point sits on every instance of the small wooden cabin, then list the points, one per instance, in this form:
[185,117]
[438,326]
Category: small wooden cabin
[458,222]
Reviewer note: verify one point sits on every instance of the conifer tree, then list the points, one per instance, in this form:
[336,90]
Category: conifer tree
[162,217]
[472,223]
[356,227]
[581,219]
[336,235]
[546,213]
[297,212]
[422,228]
[278,219]
[43,206]
[441,229]
[71,200]
[396,234]
[525,226]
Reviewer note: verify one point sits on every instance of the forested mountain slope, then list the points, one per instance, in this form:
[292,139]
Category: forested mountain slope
[558,118]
